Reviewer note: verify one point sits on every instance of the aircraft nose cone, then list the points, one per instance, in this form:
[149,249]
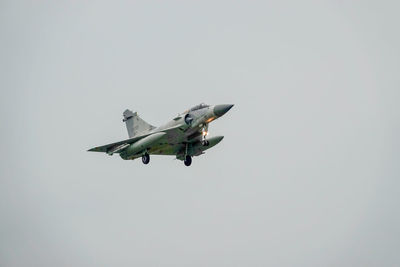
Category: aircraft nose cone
[220,110]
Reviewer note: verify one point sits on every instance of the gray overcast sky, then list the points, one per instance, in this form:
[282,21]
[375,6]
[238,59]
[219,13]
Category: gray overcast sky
[308,172]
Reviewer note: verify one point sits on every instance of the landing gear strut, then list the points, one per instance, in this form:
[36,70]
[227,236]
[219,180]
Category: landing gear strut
[204,141]
[188,160]
[146,158]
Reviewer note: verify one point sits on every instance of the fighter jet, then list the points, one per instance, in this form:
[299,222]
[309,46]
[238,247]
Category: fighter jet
[184,136]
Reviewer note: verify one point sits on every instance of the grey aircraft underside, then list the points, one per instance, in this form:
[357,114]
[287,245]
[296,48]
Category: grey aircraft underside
[184,136]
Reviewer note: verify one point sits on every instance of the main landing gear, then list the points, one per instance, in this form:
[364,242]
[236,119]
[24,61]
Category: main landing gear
[188,160]
[146,158]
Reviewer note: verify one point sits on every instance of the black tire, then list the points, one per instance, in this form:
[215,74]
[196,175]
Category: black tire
[146,158]
[205,143]
[188,160]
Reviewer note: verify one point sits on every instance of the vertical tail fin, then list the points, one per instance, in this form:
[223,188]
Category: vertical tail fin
[134,124]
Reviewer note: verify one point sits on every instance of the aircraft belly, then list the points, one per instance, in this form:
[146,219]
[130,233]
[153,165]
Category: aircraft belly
[175,137]
[166,149]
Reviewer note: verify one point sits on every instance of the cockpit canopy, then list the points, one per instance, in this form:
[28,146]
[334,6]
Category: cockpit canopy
[200,106]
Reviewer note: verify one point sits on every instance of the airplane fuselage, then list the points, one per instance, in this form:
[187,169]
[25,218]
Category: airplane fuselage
[184,136]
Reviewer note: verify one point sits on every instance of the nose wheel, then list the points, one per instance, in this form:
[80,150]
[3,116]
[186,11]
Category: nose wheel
[146,158]
[205,142]
[188,160]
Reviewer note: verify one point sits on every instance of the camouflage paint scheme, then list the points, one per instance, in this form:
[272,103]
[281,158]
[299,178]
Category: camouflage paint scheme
[184,136]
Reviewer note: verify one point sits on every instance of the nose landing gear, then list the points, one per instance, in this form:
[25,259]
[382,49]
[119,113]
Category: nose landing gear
[204,141]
